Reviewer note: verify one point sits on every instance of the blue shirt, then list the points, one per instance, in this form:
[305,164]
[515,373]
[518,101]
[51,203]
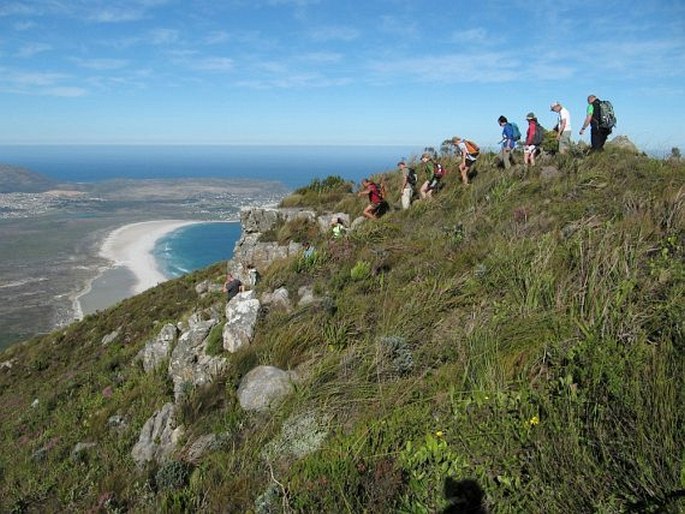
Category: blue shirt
[508,136]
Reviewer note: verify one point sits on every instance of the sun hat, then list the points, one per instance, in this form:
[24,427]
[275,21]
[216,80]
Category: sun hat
[456,139]
[553,105]
[426,155]
[530,116]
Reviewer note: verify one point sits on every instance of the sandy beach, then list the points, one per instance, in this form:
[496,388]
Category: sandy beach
[133,269]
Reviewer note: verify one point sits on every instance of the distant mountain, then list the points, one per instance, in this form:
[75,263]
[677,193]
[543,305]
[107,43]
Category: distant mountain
[14,179]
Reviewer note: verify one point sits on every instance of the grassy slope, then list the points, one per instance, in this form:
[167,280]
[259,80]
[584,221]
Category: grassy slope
[523,338]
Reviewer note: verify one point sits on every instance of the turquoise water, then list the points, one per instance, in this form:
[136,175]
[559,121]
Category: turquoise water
[195,247]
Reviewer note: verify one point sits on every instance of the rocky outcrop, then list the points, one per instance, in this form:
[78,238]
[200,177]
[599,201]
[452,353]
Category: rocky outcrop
[157,351]
[279,298]
[623,143]
[190,366]
[264,219]
[241,316]
[264,387]
[158,438]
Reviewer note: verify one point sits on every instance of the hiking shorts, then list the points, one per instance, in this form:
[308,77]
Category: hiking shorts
[565,140]
[433,184]
[529,149]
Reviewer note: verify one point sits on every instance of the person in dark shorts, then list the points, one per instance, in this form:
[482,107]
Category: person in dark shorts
[232,286]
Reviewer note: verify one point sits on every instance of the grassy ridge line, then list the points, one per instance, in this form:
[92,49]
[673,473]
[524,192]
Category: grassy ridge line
[521,338]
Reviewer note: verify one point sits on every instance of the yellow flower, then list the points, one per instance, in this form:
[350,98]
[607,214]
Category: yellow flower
[534,421]
[439,433]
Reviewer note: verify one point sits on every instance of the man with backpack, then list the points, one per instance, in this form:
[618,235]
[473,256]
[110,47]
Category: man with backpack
[469,152]
[510,135]
[373,191]
[601,119]
[434,172]
[408,183]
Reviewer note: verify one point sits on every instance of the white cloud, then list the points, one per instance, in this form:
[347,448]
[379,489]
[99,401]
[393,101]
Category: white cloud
[116,15]
[65,92]
[212,64]
[101,64]
[332,33]
[163,36]
[31,49]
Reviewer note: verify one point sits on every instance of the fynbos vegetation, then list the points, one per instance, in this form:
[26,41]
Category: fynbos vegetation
[514,346]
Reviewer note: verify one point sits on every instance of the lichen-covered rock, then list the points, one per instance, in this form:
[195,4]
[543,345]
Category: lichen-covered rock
[241,316]
[300,435]
[549,173]
[306,294]
[158,438]
[326,220]
[263,219]
[279,298]
[156,351]
[190,366]
[109,338]
[623,143]
[264,387]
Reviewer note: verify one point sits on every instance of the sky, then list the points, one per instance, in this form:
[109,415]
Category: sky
[331,72]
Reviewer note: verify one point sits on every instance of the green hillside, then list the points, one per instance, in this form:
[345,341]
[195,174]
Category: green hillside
[512,346]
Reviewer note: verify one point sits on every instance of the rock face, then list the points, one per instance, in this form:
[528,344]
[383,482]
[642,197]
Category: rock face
[623,143]
[157,350]
[158,438]
[264,219]
[264,387]
[190,366]
[241,316]
[279,298]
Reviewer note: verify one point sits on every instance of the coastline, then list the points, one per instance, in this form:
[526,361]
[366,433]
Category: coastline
[133,267]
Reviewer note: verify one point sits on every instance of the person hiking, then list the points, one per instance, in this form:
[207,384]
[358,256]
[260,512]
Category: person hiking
[232,286]
[593,118]
[469,152]
[533,140]
[508,142]
[563,128]
[433,172]
[408,183]
[373,191]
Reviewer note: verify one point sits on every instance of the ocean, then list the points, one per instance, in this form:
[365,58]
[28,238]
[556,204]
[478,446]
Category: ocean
[294,166]
[197,246]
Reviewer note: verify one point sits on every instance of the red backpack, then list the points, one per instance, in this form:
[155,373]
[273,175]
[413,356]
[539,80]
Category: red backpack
[439,170]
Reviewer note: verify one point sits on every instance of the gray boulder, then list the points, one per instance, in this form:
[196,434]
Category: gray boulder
[158,438]
[264,387]
[623,143]
[549,173]
[306,294]
[241,317]
[190,366]
[109,338]
[263,219]
[325,220]
[300,435]
[279,298]
[156,351]
[249,253]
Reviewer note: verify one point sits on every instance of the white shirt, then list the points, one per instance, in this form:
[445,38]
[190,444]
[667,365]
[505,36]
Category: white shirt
[565,115]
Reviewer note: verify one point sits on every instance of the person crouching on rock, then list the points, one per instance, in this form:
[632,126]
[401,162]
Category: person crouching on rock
[232,286]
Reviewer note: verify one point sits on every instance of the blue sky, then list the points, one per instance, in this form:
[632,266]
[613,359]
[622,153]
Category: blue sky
[330,72]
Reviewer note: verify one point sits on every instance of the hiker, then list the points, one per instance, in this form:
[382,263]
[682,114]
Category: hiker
[469,152]
[373,210]
[595,118]
[510,134]
[308,250]
[408,183]
[434,172]
[533,140]
[232,286]
[338,228]
[563,128]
